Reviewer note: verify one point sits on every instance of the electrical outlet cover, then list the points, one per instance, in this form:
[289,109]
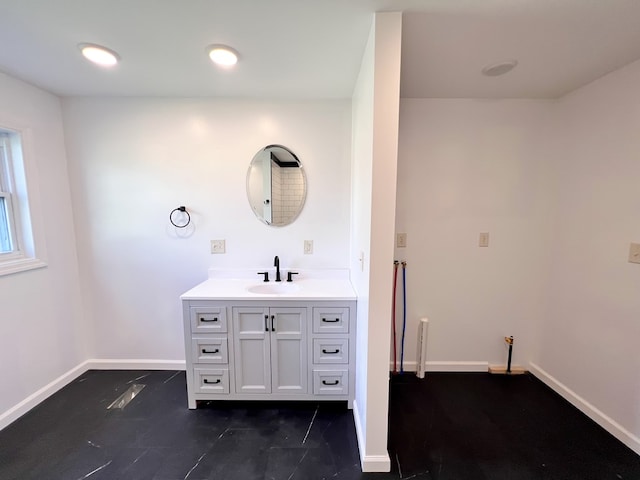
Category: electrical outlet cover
[401,240]
[483,241]
[217,246]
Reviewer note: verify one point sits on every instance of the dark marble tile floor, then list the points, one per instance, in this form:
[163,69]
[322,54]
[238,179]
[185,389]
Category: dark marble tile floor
[446,427]
[477,426]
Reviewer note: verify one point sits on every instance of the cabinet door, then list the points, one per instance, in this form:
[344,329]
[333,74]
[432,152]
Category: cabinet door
[288,350]
[251,327]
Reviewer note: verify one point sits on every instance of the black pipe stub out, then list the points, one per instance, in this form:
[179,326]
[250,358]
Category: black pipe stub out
[500,370]
[509,341]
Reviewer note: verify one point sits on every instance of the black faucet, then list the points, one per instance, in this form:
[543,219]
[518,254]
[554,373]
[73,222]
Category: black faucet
[276,263]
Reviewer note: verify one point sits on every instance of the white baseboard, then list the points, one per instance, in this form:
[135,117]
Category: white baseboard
[134,364]
[35,398]
[376,463]
[610,425]
[445,366]
[359,433]
[368,463]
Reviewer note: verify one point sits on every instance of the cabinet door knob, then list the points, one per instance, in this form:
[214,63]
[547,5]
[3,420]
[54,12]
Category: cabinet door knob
[204,350]
[208,382]
[336,382]
[330,352]
[214,319]
[330,321]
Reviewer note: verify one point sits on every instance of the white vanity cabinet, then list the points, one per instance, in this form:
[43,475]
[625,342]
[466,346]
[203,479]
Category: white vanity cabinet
[269,349]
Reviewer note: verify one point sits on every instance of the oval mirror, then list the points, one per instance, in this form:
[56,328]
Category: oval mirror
[276,185]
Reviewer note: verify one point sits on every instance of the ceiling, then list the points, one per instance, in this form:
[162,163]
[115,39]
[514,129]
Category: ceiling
[308,49]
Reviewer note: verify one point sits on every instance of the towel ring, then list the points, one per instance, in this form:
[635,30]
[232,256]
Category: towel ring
[179,209]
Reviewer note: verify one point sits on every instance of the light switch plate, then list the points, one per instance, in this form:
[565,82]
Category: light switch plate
[217,246]
[634,253]
[308,247]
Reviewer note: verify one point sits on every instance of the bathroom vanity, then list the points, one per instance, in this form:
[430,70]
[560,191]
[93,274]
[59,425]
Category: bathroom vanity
[246,339]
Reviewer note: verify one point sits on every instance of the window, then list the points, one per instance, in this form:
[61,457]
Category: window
[8,243]
[17,247]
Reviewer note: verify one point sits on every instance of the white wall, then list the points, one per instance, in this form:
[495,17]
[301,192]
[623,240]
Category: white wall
[556,186]
[361,172]
[465,167]
[590,336]
[374,157]
[42,330]
[133,160]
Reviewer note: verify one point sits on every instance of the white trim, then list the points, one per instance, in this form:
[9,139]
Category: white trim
[606,422]
[134,364]
[20,265]
[433,366]
[359,432]
[34,399]
[368,463]
[376,463]
[27,227]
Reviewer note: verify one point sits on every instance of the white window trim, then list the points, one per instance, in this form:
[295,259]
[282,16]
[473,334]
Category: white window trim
[20,178]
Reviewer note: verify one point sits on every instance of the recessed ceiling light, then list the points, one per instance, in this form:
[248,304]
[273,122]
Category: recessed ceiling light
[99,55]
[222,55]
[498,69]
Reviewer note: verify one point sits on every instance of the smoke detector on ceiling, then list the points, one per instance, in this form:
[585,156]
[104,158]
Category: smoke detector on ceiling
[497,69]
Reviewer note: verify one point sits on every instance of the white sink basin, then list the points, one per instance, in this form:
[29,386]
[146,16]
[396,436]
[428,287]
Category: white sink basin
[273,288]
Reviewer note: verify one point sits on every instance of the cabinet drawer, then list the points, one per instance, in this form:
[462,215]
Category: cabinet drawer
[330,320]
[209,350]
[209,380]
[331,350]
[330,382]
[208,320]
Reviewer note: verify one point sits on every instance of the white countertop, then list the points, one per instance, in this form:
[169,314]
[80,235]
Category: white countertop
[308,285]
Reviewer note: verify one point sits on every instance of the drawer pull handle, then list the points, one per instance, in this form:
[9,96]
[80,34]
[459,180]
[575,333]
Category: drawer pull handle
[330,352]
[266,323]
[204,350]
[214,319]
[336,382]
[330,321]
[209,382]
[273,323]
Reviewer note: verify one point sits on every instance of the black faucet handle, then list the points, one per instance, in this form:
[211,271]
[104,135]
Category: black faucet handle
[290,276]
[266,276]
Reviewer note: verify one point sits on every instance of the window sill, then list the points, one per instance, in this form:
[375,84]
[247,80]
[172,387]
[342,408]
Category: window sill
[9,267]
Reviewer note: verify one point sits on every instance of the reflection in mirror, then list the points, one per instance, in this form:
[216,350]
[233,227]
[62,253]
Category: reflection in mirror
[276,185]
